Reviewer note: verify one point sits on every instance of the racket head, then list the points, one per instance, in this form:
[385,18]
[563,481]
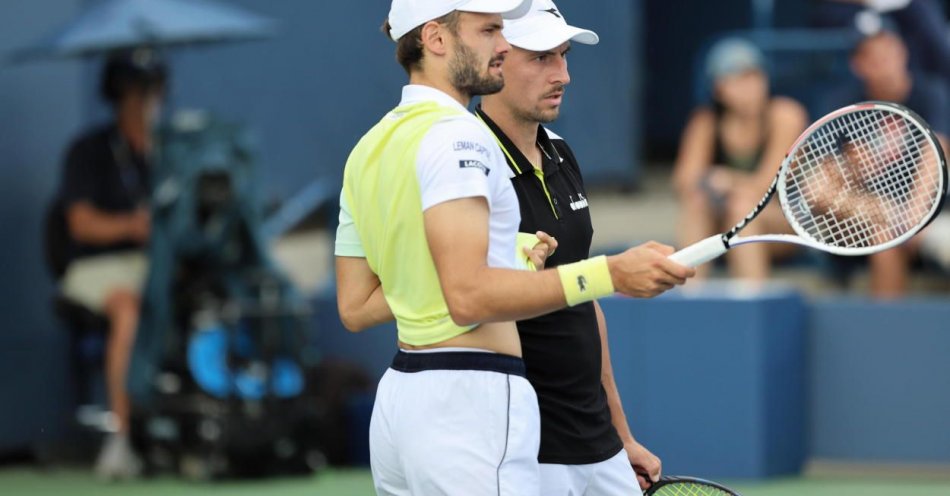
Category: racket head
[863,179]
[687,486]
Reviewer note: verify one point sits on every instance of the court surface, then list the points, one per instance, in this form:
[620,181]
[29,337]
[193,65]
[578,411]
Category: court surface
[26,481]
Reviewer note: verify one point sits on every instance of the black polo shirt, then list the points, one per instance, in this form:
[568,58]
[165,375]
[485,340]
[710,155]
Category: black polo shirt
[102,169]
[562,350]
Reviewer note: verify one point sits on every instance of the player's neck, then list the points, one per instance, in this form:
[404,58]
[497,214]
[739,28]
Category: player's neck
[442,84]
[523,133]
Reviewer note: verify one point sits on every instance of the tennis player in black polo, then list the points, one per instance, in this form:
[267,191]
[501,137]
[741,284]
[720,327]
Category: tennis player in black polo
[586,446]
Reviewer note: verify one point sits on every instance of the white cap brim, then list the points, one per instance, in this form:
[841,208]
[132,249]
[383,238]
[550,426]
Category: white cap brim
[509,9]
[551,37]
[406,15]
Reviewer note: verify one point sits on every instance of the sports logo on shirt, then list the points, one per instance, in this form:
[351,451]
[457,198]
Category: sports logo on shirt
[474,164]
[470,146]
[580,204]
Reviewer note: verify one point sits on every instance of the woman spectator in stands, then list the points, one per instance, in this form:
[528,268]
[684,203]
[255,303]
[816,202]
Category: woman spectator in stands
[730,151]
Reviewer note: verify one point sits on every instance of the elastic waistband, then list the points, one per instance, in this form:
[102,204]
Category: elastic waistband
[459,360]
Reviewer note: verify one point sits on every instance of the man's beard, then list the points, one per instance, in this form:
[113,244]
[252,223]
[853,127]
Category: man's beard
[538,114]
[466,76]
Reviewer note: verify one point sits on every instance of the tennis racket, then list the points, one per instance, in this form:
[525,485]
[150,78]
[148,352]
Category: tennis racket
[687,486]
[860,180]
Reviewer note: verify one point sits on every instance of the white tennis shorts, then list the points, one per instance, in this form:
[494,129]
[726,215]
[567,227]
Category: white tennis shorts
[455,423]
[610,477]
[90,280]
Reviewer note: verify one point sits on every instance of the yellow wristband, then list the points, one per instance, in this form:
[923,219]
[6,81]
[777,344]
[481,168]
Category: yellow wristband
[586,280]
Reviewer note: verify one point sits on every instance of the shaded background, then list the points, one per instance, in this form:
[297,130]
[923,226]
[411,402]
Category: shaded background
[864,391]
[306,95]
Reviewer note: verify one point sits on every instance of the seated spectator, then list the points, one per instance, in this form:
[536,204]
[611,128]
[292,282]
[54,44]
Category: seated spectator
[922,25]
[105,192]
[880,63]
[730,152]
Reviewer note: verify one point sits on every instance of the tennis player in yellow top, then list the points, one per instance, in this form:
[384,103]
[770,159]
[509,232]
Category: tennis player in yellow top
[428,236]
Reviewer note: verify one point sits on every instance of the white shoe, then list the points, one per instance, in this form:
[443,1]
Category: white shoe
[117,460]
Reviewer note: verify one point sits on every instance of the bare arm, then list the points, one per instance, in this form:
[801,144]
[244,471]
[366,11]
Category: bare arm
[360,298]
[90,225]
[643,461]
[457,234]
[695,154]
[787,119]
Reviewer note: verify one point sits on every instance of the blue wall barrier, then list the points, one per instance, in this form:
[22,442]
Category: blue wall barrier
[752,386]
[713,385]
[879,375]
[718,396]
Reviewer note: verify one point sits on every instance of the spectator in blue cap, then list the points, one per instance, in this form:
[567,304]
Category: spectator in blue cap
[921,23]
[730,151]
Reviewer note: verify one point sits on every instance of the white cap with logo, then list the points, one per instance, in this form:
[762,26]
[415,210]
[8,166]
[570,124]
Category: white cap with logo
[406,15]
[544,28]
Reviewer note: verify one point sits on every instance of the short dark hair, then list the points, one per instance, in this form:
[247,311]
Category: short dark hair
[139,69]
[409,47]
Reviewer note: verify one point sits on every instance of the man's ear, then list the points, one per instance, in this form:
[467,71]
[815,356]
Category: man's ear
[434,38]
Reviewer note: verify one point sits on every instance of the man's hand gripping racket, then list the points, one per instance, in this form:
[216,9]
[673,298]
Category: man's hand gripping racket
[860,180]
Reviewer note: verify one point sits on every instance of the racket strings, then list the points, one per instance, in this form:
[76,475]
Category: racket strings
[896,182]
[690,489]
[863,179]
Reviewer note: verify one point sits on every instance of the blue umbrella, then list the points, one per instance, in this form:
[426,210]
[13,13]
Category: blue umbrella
[121,24]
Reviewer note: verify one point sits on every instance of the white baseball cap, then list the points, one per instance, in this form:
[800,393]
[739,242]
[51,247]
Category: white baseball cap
[406,15]
[544,28]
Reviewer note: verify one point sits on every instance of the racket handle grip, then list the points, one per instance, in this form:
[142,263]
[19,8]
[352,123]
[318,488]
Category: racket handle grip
[700,252]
